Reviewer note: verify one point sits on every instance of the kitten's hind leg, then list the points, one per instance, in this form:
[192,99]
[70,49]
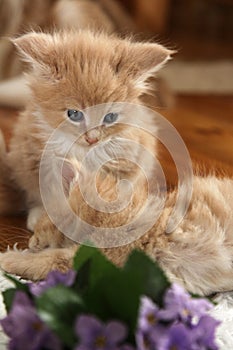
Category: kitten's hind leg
[36,266]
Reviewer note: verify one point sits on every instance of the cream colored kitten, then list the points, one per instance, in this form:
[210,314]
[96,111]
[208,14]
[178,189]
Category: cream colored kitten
[71,72]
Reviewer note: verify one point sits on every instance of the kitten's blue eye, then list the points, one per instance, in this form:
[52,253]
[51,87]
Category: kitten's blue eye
[75,116]
[110,118]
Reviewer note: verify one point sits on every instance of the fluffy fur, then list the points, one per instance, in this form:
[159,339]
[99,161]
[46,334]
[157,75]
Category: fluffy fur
[198,254]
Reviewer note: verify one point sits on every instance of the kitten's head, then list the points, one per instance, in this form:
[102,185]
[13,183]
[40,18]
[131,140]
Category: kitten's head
[72,71]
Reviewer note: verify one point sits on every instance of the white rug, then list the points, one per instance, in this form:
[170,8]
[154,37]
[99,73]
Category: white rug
[199,77]
[223,311]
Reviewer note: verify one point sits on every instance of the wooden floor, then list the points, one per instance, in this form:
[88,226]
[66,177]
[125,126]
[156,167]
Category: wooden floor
[205,124]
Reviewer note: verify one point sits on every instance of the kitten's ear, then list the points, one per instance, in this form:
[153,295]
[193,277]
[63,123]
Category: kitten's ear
[35,47]
[144,60]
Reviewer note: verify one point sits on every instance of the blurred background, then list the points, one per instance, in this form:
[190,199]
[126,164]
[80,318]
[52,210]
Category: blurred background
[194,91]
[201,31]
[199,80]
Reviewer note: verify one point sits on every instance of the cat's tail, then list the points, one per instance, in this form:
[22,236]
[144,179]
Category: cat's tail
[11,199]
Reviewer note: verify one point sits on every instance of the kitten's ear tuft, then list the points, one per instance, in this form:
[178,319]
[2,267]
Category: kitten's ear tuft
[145,59]
[34,47]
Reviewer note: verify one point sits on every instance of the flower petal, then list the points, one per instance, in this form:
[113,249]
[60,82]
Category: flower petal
[115,332]
[87,327]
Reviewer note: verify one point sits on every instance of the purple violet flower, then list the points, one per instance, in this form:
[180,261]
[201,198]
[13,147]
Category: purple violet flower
[204,333]
[148,324]
[95,335]
[178,337]
[144,341]
[182,324]
[25,328]
[199,337]
[53,279]
[148,314]
[179,305]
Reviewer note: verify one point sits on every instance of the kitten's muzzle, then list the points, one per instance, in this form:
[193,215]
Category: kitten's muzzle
[92,136]
[91,141]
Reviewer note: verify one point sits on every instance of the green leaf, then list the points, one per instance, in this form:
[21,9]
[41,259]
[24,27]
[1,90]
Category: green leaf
[9,294]
[82,279]
[116,296]
[153,279]
[92,265]
[8,297]
[19,285]
[113,293]
[83,254]
[58,307]
[108,291]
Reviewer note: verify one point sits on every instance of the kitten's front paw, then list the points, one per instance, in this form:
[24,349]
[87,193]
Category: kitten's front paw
[10,262]
[33,217]
[24,264]
[38,242]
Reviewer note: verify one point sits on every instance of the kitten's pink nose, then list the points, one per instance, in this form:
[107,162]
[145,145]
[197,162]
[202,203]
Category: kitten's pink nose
[91,140]
[92,136]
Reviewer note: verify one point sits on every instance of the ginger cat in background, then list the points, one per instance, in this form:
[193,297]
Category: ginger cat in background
[17,16]
[72,71]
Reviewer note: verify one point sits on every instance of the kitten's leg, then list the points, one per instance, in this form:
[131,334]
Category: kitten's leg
[46,235]
[33,217]
[36,266]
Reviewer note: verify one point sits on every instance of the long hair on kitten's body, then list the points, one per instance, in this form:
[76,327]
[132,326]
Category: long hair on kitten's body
[197,254]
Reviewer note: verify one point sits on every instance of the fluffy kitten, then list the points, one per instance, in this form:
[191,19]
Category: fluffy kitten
[72,72]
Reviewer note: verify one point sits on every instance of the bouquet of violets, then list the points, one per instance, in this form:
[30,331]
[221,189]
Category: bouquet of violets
[98,306]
